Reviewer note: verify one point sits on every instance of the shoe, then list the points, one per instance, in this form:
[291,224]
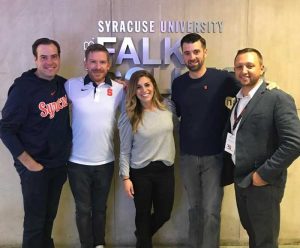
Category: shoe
[99,246]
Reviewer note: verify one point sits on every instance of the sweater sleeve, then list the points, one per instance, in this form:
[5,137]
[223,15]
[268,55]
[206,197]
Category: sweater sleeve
[171,107]
[126,138]
[233,85]
[122,106]
[14,114]
[175,99]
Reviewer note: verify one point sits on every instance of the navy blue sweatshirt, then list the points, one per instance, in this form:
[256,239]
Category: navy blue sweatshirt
[35,119]
[201,105]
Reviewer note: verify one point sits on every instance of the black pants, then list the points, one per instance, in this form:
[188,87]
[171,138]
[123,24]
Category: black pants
[259,211]
[90,187]
[153,198]
[41,193]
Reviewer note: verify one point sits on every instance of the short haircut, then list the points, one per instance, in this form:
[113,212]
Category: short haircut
[192,38]
[44,41]
[96,48]
[250,50]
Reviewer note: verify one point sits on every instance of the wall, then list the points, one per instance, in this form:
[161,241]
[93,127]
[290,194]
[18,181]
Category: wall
[270,26]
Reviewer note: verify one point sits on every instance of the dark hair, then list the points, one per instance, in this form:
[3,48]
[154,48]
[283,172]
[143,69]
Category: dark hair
[96,48]
[134,107]
[192,38]
[250,50]
[44,41]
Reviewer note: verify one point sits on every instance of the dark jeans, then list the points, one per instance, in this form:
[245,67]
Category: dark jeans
[153,190]
[259,211]
[90,187]
[41,192]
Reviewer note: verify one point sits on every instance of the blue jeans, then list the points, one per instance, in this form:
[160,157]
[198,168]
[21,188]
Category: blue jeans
[90,187]
[153,197]
[201,178]
[41,193]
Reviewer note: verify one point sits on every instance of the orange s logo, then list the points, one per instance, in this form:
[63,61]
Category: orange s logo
[109,92]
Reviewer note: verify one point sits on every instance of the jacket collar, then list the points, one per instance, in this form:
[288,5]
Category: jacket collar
[253,102]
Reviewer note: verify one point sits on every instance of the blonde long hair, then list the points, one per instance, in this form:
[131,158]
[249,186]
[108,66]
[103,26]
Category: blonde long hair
[134,108]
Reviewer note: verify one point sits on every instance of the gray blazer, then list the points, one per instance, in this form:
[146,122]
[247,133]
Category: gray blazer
[267,139]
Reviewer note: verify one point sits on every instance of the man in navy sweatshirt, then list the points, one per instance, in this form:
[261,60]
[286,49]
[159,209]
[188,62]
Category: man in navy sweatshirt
[36,130]
[199,96]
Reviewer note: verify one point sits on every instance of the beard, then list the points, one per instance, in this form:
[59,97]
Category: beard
[97,71]
[251,82]
[97,75]
[194,68]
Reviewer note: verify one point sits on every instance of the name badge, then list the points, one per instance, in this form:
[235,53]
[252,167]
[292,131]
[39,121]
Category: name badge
[230,143]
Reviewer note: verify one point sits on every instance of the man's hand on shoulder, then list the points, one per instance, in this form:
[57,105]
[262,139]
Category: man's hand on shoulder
[272,85]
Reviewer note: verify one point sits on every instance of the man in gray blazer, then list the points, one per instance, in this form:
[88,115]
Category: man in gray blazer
[262,141]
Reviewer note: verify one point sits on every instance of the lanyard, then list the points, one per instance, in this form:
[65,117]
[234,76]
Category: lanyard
[237,118]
